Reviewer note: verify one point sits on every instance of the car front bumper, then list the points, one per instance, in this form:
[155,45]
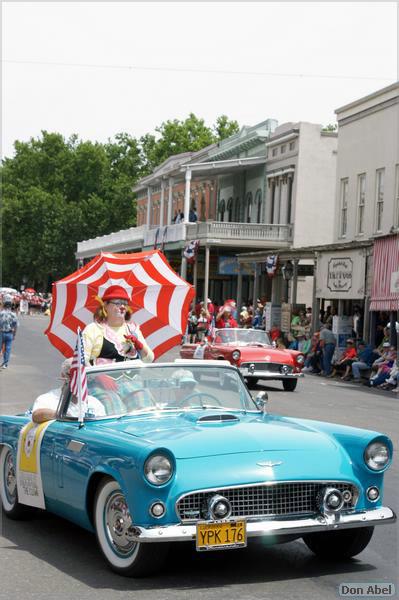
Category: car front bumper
[300,527]
[269,374]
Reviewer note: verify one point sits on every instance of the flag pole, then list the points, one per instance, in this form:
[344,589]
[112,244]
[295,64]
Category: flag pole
[80,405]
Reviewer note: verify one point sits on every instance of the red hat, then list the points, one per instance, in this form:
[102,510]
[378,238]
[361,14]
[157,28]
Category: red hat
[115,292]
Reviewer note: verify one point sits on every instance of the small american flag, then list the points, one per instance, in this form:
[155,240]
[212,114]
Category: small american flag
[78,379]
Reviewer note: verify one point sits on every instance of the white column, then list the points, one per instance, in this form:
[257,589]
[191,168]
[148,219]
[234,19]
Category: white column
[295,282]
[284,200]
[206,280]
[195,279]
[161,210]
[255,288]
[170,201]
[277,201]
[183,266]
[187,195]
[239,288]
[148,207]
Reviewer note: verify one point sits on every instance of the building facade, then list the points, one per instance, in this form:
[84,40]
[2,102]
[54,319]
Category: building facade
[366,213]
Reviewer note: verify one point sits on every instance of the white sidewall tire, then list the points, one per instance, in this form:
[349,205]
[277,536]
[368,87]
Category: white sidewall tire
[13,510]
[7,505]
[114,560]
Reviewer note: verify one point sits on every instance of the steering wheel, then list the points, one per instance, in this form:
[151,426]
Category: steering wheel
[200,396]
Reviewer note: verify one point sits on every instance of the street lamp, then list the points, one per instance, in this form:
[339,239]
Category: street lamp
[287,270]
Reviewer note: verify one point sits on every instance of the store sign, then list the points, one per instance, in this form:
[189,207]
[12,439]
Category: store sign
[341,275]
[340,272]
[228,265]
[285,317]
[272,315]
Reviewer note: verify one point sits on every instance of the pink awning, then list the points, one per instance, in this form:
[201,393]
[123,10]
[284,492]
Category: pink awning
[385,274]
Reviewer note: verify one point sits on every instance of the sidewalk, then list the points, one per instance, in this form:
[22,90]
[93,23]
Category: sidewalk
[352,383]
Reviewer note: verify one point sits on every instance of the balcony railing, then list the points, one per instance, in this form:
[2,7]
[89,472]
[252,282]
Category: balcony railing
[240,231]
[241,234]
[126,239]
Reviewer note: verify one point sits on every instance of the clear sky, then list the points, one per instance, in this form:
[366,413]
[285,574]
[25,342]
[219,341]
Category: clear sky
[262,52]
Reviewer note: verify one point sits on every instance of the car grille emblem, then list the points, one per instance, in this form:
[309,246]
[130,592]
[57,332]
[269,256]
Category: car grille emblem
[269,463]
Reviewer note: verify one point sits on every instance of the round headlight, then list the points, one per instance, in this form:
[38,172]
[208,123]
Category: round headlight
[376,456]
[158,469]
[235,354]
[300,359]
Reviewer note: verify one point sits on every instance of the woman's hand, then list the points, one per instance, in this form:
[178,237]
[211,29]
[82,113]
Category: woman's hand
[135,342]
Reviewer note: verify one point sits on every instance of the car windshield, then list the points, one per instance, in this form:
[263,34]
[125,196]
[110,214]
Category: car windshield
[162,388]
[241,336]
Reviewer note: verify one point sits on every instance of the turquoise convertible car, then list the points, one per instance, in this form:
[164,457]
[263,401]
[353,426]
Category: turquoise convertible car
[182,452]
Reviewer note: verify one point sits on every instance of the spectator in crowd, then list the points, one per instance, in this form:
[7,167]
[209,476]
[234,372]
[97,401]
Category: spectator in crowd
[329,319]
[345,360]
[245,318]
[225,318]
[275,332]
[192,327]
[258,315]
[203,325]
[357,322]
[328,342]
[179,217]
[280,344]
[8,330]
[293,342]
[314,358]
[306,344]
[384,368]
[192,215]
[363,360]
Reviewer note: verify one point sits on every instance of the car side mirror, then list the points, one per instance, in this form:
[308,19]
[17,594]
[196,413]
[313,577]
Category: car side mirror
[261,401]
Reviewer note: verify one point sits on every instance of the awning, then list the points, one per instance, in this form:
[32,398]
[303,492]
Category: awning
[385,290]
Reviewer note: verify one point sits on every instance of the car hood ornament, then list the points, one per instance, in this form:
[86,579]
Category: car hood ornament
[269,463]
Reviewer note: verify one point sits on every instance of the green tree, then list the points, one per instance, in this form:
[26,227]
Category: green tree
[57,192]
[224,128]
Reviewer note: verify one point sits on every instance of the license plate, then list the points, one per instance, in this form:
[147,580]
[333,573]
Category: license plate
[226,535]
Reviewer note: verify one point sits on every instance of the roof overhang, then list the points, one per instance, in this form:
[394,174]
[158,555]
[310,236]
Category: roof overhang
[220,167]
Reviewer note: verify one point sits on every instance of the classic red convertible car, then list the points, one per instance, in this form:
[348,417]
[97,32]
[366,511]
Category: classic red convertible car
[252,352]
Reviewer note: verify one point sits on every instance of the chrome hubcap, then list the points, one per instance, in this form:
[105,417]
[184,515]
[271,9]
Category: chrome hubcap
[119,526]
[9,477]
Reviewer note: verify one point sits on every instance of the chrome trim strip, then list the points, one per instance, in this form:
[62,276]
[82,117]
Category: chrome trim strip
[269,375]
[365,518]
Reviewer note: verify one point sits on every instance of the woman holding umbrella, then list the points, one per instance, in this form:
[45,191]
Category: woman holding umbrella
[112,337]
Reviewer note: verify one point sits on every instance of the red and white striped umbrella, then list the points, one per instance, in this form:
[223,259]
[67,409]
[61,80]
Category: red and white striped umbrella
[160,299]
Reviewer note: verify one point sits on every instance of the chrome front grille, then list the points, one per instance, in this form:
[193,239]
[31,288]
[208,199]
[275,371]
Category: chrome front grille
[267,367]
[262,501]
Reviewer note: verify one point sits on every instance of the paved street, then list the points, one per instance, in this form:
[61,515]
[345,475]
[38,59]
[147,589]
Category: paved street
[51,558]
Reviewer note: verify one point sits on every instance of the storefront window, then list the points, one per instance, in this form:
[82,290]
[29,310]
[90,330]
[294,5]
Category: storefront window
[379,198]
[361,200]
[344,207]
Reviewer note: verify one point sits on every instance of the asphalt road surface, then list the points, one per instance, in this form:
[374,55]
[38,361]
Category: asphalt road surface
[49,558]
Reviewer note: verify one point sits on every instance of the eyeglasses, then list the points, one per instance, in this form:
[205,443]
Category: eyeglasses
[118,302]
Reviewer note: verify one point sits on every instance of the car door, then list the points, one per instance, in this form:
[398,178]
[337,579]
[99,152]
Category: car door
[72,464]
